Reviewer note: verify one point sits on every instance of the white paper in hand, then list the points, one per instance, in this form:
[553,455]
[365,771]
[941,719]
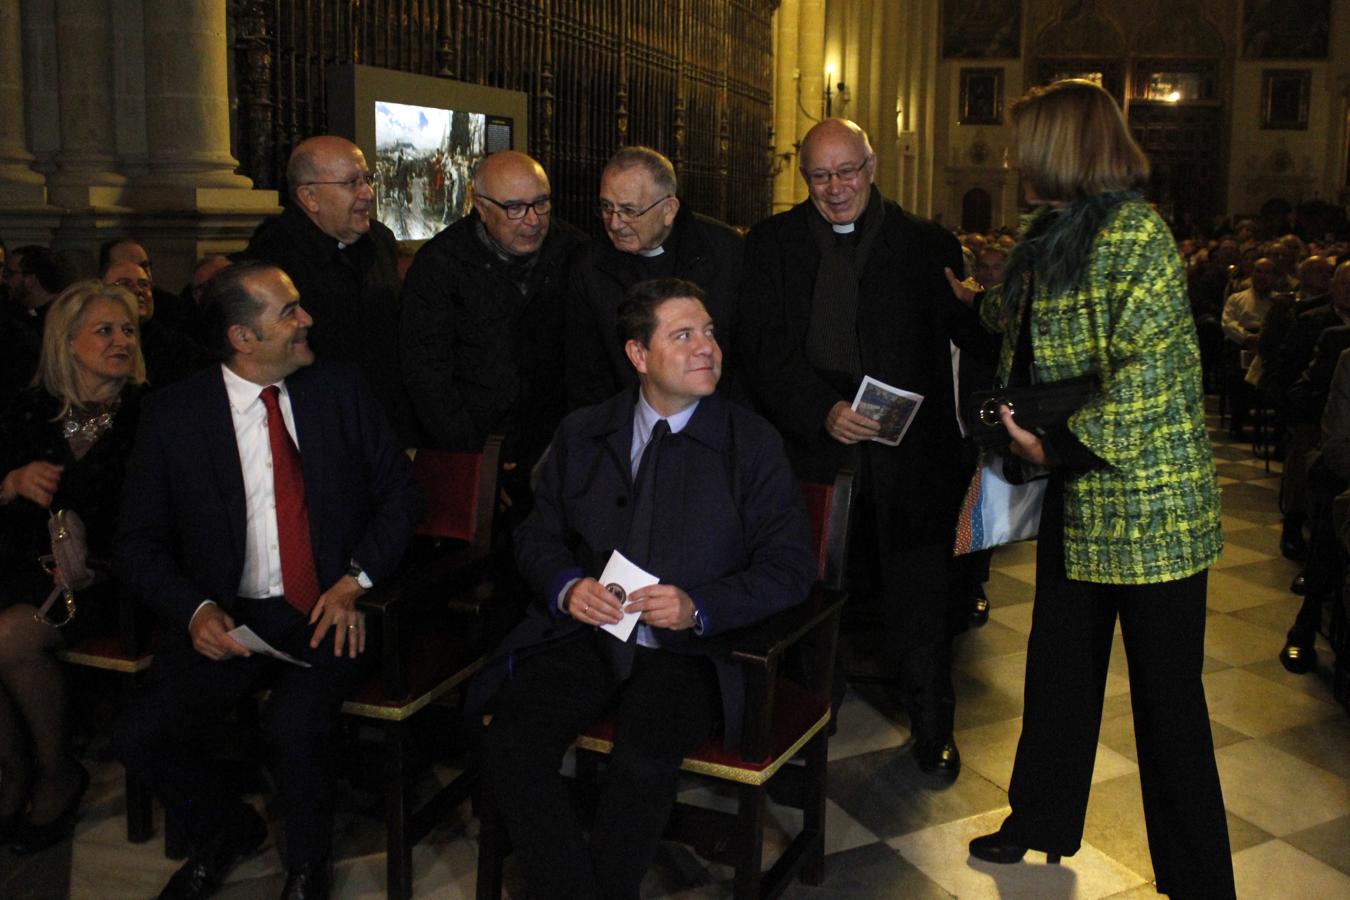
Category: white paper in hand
[621,577]
[249,638]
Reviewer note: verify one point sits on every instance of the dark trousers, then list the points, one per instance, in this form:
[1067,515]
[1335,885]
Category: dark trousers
[666,708]
[161,735]
[1163,626]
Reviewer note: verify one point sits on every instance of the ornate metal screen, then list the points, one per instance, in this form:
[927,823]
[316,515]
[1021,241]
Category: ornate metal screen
[688,77]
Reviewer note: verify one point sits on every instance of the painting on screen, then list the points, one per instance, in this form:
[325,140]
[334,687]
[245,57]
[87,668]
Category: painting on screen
[423,159]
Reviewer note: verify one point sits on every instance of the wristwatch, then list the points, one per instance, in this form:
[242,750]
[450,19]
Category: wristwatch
[698,620]
[354,570]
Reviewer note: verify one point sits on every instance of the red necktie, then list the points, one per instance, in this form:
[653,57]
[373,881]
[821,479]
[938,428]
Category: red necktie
[299,580]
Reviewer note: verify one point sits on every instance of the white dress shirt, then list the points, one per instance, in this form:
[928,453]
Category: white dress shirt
[262,555]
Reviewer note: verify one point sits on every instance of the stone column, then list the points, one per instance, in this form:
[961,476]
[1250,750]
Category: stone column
[187,106]
[86,173]
[785,128]
[20,186]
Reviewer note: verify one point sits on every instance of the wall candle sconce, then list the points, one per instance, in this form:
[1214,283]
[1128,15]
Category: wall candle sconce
[841,90]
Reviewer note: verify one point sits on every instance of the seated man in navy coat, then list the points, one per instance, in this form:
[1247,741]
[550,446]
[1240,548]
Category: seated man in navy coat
[267,494]
[697,491]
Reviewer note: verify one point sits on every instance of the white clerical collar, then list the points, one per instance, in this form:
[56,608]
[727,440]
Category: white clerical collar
[655,251]
[846,228]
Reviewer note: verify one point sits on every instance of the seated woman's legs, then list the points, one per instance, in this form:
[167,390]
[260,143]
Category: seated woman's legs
[32,681]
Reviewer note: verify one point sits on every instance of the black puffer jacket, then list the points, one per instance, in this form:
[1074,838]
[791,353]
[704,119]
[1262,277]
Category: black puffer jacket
[481,356]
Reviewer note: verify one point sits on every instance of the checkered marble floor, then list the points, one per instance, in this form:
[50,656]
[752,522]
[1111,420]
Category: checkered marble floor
[1283,749]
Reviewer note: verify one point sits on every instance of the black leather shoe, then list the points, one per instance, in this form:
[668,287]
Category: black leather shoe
[309,882]
[32,838]
[979,608]
[1293,545]
[996,848]
[939,758]
[205,870]
[1299,585]
[1299,655]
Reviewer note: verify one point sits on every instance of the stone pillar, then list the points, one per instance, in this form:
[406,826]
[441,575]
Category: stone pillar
[786,133]
[187,109]
[86,173]
[20,186]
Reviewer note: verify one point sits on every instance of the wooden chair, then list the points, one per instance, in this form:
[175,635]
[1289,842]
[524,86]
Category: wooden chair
[126,654]
[786,716]
[433,618]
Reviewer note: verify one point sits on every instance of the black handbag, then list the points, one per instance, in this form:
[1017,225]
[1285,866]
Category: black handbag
[1035,407]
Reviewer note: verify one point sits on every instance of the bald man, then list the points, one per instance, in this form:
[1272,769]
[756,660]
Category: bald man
[844,285]
[482,328]
[345,265]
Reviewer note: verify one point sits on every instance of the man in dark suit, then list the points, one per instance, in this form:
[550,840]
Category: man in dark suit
[345,264]
[266,494]
[843,285]
[649,234]
[695,490]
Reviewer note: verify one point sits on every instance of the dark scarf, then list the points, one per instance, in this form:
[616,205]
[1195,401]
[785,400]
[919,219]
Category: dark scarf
[1056,247]
[518,269]
[832,337]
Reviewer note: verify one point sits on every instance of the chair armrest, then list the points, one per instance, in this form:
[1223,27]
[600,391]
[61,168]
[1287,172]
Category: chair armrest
[760,648]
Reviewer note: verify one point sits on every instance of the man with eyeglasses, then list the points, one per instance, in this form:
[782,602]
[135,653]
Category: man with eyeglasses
[844,285]
[169,354]
[650,235]
[482,322]
[168,308]
[345,265]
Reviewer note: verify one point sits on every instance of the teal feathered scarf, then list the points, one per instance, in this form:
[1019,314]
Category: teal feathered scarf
[1056,246]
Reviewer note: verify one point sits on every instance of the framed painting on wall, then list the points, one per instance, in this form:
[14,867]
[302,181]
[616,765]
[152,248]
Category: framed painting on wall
[1284,99]
[981,97]
[1280,29]
[981,29]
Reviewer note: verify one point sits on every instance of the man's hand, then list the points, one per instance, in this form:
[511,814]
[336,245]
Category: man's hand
[965,291]
[504,499]
[590,604]
[1024,443]
[210,628]
[37,481]
[849,427]
[336,609]
[663,606]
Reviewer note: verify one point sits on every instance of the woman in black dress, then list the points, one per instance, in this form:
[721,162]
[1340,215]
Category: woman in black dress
[64,443]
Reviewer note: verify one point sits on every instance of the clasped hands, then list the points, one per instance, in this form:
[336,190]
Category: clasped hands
[661,605]
[336,609]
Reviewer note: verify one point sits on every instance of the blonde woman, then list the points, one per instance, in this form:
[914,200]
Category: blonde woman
[63,445]
[1130,523]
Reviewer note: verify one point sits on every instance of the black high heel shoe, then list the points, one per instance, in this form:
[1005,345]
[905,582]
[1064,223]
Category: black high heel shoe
[996,848]
[36,838]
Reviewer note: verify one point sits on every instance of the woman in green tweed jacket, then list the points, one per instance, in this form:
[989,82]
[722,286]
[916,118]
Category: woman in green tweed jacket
[1130,523]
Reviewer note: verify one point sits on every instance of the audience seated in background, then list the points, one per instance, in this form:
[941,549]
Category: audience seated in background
[170,355]
[265,492]
[1243,314]
[708,504]
[169,308]
[63,447]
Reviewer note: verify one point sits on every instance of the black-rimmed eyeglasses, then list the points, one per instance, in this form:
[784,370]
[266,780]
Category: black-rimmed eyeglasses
[517,210]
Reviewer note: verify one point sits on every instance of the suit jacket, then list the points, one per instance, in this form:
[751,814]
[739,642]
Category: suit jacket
[906,316]
[181,537]
[704,251]
[730,529]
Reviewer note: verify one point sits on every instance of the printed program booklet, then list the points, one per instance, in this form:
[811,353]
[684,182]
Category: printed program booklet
[893,407]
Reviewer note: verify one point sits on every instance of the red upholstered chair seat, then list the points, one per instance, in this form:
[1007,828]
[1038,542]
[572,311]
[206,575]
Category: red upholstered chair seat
[797,715]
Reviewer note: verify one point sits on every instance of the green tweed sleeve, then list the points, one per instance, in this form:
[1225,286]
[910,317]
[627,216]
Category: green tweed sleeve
[1139,318]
